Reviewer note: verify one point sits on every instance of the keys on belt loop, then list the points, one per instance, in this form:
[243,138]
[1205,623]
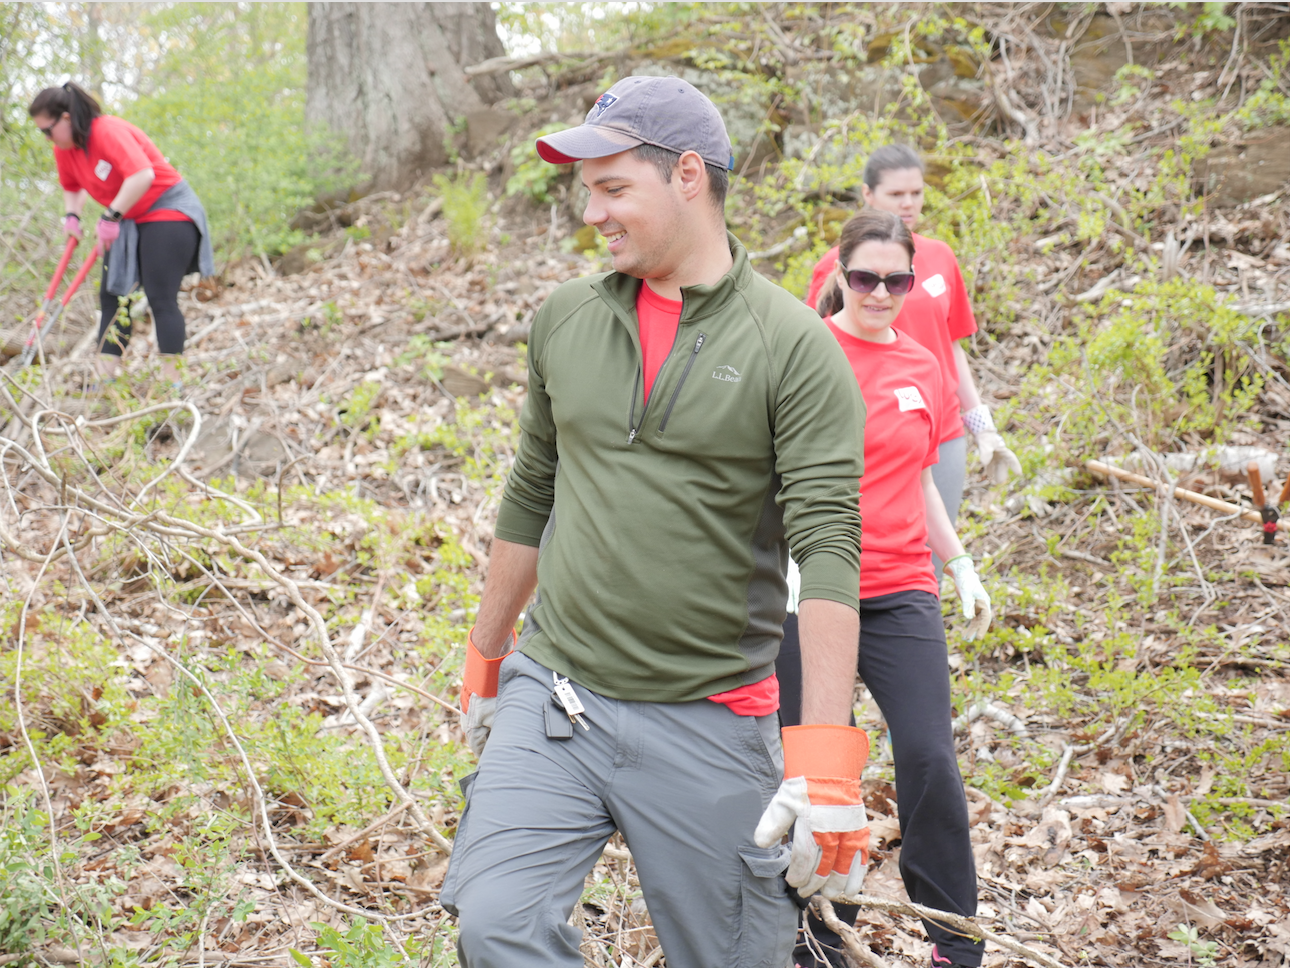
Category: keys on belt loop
[564,697]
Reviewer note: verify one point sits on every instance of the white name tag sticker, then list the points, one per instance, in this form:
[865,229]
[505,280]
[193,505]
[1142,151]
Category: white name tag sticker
[910,399]
[103,169]
[935,286]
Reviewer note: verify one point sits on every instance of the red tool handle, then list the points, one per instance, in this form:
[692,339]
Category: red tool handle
[63,263]
[81,273]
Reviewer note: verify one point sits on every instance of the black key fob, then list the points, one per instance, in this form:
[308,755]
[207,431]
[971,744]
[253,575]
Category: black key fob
[558,723]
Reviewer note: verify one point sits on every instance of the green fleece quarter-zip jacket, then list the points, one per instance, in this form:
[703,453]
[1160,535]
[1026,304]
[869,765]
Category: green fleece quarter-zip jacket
[665,525]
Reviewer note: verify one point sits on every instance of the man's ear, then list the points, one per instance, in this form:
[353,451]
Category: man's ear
[690,175]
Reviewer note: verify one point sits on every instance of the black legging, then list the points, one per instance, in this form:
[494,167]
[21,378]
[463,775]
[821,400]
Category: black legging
[166,250]
[904,663]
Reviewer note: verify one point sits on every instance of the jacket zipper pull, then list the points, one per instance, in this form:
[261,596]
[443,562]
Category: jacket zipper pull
[667,414]
[632,435]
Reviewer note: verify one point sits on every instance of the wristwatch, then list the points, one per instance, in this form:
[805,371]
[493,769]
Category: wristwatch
[112,215]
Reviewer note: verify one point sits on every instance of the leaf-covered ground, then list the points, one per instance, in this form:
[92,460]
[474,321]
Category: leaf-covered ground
[1122,728]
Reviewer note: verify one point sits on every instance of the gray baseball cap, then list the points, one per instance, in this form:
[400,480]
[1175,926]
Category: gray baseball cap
[666,112]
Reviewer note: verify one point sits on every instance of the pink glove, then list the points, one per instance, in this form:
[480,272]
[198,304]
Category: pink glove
[72,226]
[107,231]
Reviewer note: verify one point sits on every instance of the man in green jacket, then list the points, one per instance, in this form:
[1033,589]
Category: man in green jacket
[688,423]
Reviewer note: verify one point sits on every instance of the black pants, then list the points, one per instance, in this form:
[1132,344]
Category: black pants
[166,250]
[904,662]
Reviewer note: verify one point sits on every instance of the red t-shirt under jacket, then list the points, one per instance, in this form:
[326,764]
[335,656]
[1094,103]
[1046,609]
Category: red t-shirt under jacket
[658,319]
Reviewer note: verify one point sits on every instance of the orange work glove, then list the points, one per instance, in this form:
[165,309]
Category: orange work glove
[479,693]
[820,802]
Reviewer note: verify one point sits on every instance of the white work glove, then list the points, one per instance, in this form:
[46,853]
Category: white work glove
[997,459]
[973,599]
[821,803]
[478,722]
[479,693]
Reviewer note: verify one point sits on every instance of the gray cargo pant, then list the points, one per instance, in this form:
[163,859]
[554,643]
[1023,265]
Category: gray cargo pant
[685,783]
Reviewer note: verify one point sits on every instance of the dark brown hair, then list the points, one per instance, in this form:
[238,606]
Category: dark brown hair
[871,225]
[890,158]
[71,99]
[665,163]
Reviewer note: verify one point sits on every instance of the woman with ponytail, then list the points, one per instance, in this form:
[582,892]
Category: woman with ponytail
[153,230]
[903,658]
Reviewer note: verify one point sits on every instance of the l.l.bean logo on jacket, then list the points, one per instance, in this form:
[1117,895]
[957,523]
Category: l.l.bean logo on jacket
[726,374]
[910,399]
[103,169]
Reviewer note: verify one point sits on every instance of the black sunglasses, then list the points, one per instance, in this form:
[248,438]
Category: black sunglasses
[48,132]
[862,280]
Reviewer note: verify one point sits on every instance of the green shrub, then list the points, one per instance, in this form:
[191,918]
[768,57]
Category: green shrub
[465,203]
[534,177]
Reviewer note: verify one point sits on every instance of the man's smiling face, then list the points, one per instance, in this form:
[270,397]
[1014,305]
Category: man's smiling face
[640,215]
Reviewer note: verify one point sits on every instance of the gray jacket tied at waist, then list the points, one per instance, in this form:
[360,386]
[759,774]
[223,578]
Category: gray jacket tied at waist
[123,266]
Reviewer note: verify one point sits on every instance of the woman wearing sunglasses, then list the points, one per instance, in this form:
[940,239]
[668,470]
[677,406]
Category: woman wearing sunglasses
[902,658]
[937,314]
[153,229]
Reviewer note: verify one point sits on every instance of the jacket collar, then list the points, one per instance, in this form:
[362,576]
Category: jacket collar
[621,290]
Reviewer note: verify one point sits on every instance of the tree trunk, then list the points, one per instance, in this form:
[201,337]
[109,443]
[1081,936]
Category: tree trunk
[388,77]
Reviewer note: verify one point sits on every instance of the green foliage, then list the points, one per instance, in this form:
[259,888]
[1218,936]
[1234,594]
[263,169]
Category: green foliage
[534,178]
[362,946]
[584,27]
[1205,952]
[1270,104]
[1166,359]
[465,203]
[225,103]
[34,905]
[424,350]
[71,698]
[27,901]
[356,411]
[1213,18]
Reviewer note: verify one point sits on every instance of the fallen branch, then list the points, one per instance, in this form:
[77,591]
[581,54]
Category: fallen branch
[1062,766]
[499,65]
[957,922]
[855,946]
[1204,500]
[990,711]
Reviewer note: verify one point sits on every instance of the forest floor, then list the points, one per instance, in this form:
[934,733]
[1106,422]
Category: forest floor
[388,438]
[233,736]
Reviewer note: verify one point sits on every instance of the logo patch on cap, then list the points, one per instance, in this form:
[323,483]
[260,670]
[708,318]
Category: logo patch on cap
[604,101]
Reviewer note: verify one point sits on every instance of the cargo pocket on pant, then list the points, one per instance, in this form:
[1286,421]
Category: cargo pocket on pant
[768,916]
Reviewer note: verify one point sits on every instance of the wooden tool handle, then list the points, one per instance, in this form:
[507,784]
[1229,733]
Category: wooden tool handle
[1285,493]
[1256,483]
[1107,470]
